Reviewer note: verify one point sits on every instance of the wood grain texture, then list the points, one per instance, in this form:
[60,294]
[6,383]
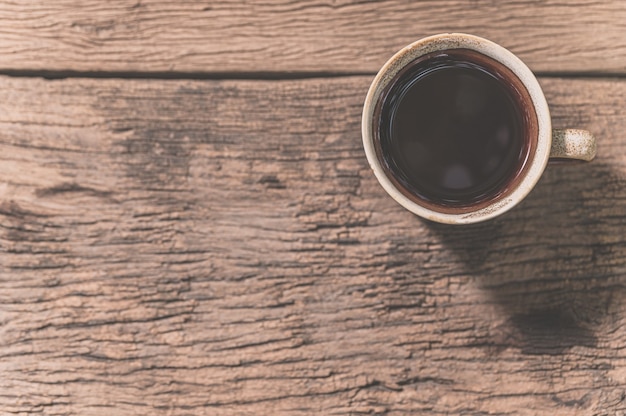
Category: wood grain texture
[311,35]
[221,247]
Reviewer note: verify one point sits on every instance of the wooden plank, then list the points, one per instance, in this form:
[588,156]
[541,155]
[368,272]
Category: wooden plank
[311,35]
[221,247]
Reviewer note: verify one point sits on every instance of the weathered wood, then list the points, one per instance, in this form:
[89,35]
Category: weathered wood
[311,35]
[214,247]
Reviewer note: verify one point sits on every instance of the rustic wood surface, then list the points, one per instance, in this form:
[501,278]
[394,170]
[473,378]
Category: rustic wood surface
[303,35]
[220,247]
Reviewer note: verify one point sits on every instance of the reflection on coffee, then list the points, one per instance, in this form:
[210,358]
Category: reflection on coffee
[452,128]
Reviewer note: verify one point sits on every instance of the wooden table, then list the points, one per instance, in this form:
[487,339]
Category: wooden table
[188,224]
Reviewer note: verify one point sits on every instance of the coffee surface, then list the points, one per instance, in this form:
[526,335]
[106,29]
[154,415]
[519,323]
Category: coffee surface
[451,130]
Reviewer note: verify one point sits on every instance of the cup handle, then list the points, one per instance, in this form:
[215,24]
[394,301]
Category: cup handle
[573,144]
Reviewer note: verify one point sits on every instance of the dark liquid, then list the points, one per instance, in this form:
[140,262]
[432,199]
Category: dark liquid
[453,130]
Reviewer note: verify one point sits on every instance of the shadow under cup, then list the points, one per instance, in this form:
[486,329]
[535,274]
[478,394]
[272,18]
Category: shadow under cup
[455,131]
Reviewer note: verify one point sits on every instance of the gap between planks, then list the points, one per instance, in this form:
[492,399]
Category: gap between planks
[250,76]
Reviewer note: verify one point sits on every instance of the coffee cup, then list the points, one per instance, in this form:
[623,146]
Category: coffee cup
[457,129]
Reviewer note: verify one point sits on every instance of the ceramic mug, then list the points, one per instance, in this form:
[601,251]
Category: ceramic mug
[545,143]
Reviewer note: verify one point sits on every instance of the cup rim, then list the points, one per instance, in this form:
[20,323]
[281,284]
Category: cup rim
[446,41]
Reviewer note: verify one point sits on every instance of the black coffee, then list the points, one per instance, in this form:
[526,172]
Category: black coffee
[452,128]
